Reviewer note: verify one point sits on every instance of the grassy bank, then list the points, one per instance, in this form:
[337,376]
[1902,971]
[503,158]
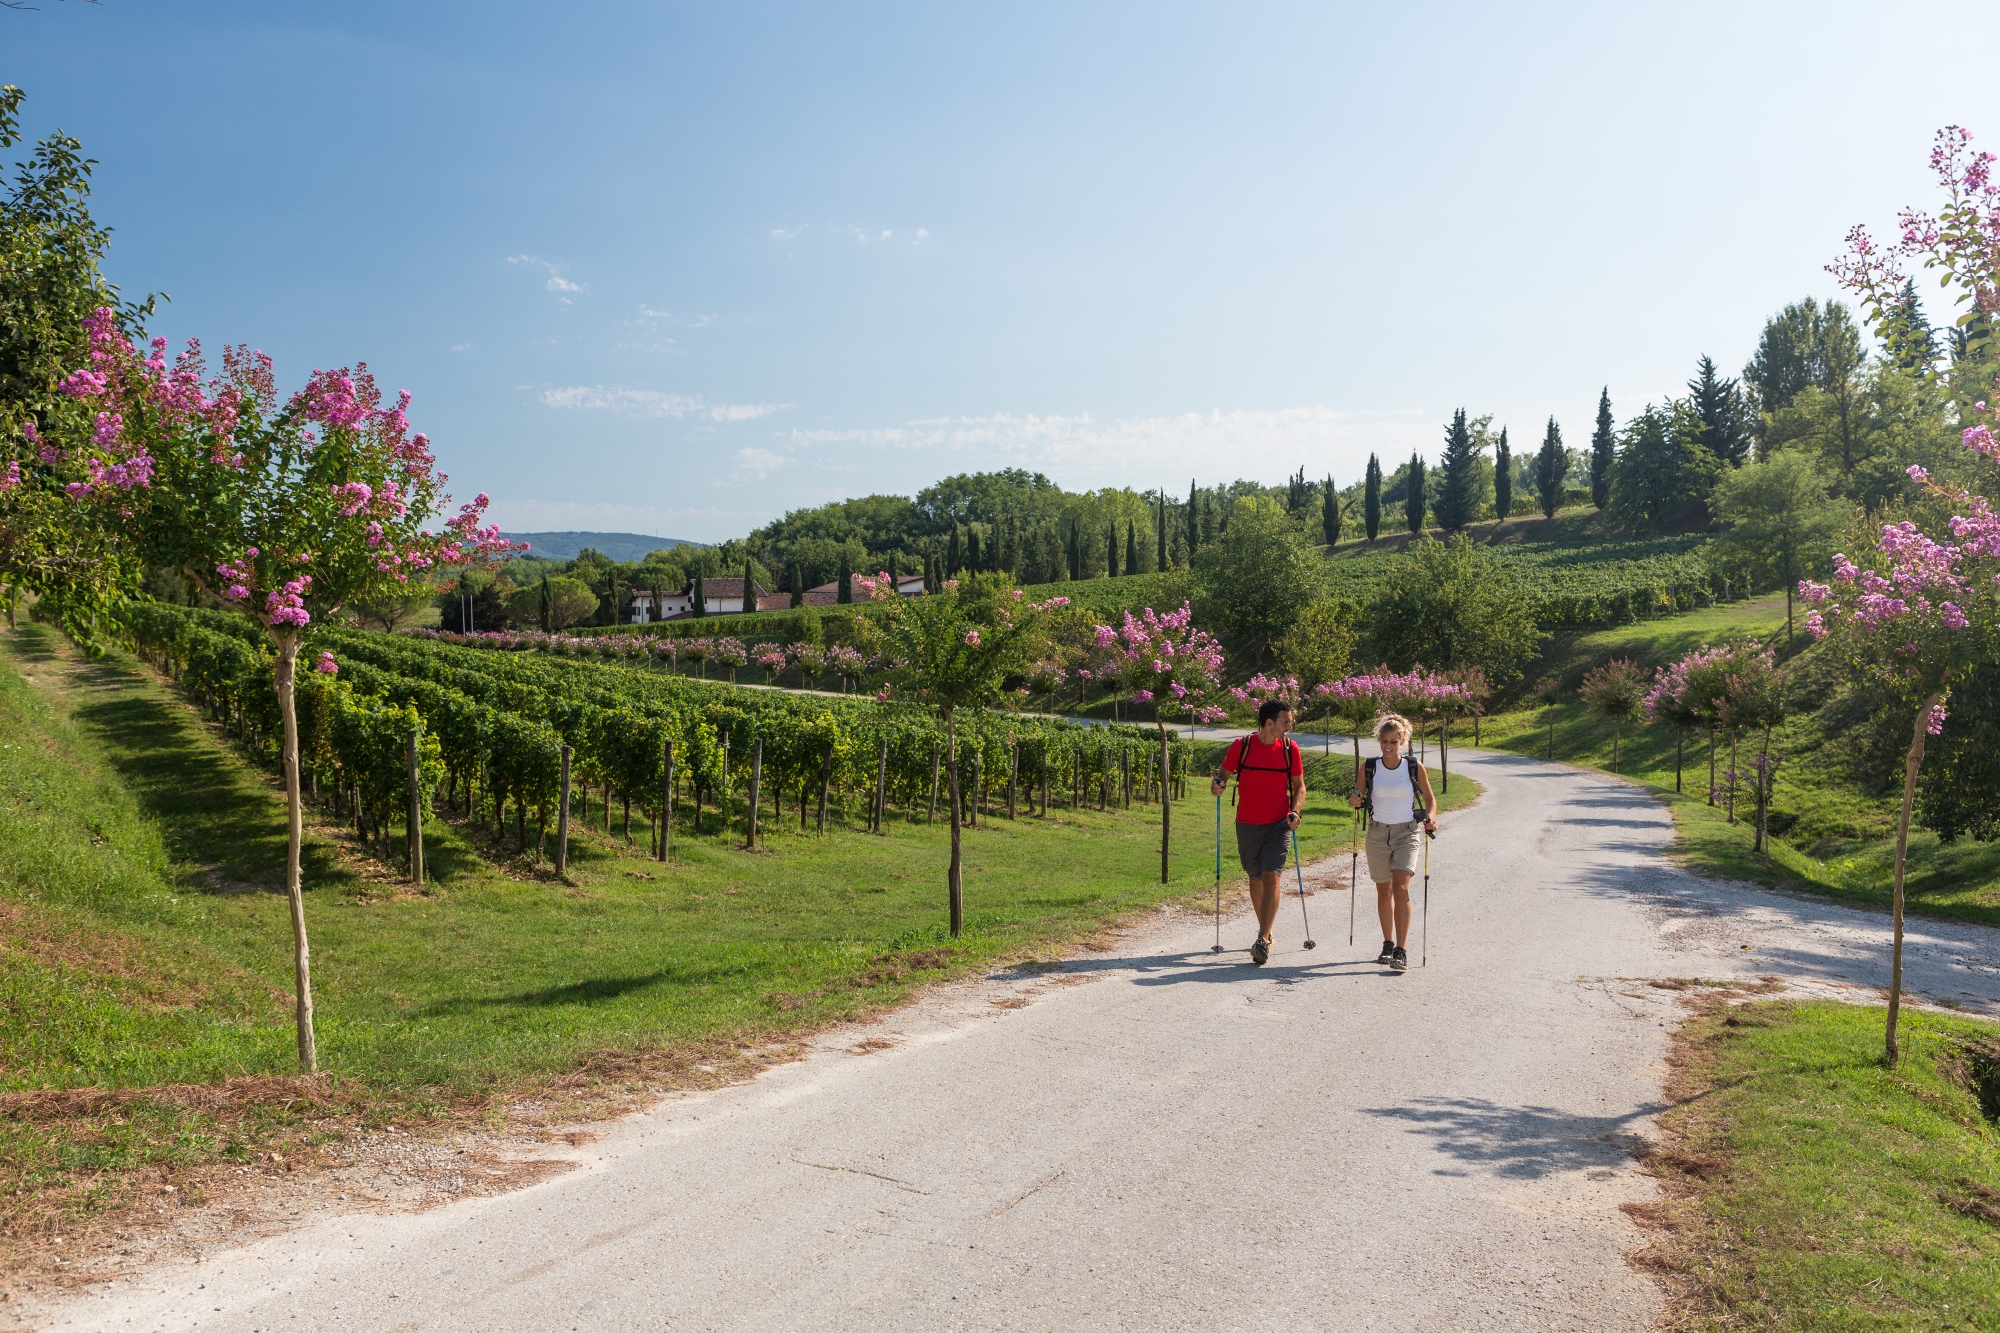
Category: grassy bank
[147,944]
[1810,1187]
[1835,839]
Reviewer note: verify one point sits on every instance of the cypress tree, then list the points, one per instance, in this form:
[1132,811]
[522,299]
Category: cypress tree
[700,597]
[895,575]
[1457,501]
[749,587]
[1503,478]
[844,594]
[1603,445]
[546,605]
[1075,551]
[1329,518]
[1719,404]
[1551,463]
[1111,560]
[1193,518]
[971,549]
[798,581]
[1371,498]
[1413,492]
[1131,547]
[951,554]
[1160,534]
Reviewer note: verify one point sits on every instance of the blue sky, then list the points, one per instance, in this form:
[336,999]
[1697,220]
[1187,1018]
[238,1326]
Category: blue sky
[677,269]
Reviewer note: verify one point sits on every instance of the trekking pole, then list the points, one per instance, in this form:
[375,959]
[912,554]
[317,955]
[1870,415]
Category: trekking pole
[1353,873]
[1300,870]
[1218,876]
[1425,947]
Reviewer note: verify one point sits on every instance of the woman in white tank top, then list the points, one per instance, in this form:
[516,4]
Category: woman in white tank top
[1397,793]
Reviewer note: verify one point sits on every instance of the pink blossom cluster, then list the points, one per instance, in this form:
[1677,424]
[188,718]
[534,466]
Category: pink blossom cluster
[1415,693]
[1261,687]
[1733,685]
[771,658]
[326,666]
[1164,659]
[287,606]
[10,478]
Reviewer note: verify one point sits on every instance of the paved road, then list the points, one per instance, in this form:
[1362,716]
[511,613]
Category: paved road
[1157,1138]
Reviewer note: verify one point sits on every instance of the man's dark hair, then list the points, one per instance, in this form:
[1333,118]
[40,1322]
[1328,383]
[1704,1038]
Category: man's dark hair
[1269,710]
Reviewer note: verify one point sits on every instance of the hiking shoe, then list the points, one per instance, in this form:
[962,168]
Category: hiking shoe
[1400,961]
[1260,952]
[1388,954]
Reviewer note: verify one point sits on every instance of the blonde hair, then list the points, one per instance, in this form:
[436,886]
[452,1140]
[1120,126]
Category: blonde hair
[1395,722]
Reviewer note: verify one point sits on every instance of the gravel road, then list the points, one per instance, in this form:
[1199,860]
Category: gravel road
[1153,1138]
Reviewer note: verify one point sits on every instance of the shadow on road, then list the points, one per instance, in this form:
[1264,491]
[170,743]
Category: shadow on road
[1518,1142]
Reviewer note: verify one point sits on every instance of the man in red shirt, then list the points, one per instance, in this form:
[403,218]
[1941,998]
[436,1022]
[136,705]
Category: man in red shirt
[1270,794]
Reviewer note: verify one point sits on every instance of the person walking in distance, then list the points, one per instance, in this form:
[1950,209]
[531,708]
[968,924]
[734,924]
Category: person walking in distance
[1396,792]
[1270,795]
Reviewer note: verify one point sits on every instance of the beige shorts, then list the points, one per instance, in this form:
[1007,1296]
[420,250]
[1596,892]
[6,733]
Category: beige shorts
[1393,847]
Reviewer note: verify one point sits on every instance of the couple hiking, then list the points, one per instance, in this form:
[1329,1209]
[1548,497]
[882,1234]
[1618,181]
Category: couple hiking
[1271,796]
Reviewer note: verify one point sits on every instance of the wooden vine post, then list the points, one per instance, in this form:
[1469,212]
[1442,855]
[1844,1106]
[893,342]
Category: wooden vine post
[562,816]
[881,783]
[756,781]
[416,829]
[667,803]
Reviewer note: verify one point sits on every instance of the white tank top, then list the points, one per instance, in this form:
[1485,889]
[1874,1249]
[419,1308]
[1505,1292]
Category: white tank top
[1395,799]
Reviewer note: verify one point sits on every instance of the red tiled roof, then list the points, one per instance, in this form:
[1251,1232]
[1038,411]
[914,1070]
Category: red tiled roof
[775,601]
[725,588]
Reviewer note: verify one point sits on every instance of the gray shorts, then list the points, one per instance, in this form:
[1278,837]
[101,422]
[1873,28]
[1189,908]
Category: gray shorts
[1263,847]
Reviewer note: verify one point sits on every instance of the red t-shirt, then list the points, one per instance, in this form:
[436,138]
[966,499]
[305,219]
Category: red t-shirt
[1263,773]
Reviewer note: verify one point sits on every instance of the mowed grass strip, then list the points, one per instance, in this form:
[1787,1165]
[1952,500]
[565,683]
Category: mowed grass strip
[1957,881]
[1812,1187]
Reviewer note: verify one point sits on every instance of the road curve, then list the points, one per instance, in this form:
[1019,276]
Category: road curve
[1158,1138]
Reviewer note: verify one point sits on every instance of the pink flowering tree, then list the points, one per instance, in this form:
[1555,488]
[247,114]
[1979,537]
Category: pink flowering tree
[1357,701]
[286,509]
[953,660]
[1166,662]
[1915,612]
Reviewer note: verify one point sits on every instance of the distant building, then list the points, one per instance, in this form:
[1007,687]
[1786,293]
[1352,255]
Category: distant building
[828,594]
[673,605]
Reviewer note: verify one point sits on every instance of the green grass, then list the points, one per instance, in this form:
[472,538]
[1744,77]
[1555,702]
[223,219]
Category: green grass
[1836,841]
[1812,1187]
[144,942]
[127,827]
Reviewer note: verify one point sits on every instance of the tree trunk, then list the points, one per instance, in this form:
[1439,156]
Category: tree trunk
[955,882]
[1731,802]
[1166,801]
[1763,794]
[286,674]
[930,816]
[1911,764]
[1711,767]
[1444,753]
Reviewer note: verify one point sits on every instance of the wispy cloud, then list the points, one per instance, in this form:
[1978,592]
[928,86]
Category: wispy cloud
[852,232]
[762,462]
[556,283]
[1083,451]
[651,403]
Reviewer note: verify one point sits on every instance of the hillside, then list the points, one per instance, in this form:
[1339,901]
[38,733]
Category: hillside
[620,546]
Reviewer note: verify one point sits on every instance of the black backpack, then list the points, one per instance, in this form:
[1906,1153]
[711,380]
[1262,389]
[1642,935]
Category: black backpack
[1243,755]
[1368,789]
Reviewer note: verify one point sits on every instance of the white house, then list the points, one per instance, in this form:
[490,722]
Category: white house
[672,605]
